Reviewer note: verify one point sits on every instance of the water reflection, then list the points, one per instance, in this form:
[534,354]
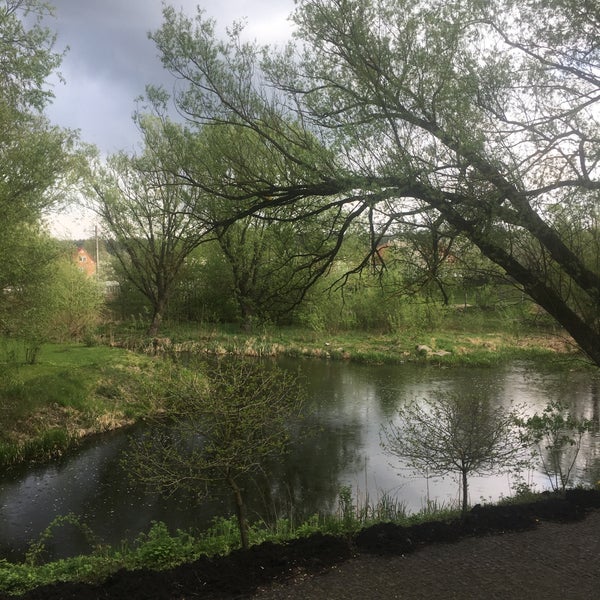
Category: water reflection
[347,405]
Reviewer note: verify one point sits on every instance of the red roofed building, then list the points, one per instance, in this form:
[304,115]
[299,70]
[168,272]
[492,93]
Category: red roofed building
[85,262]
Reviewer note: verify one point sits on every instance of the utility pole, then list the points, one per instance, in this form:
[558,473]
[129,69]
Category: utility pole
[97,252]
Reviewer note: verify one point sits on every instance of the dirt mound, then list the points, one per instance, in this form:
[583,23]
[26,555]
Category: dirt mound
[242,573]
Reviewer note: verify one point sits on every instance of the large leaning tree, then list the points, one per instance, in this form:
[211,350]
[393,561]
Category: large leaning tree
[481,113]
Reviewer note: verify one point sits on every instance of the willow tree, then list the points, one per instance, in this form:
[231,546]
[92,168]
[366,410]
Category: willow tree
[483,114]
[146,216]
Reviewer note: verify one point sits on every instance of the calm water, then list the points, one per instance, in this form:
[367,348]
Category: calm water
[348,404]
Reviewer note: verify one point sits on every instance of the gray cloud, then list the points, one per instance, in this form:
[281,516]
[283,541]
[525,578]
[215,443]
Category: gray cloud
[111,60]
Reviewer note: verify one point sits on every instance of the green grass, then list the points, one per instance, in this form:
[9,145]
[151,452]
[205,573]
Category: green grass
[78,355]
[467,345]
[70,392]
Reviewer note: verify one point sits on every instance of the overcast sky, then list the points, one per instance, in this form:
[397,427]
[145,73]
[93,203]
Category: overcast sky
[110,60]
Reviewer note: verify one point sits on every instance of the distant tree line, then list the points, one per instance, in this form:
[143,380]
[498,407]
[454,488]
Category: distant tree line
[468,131]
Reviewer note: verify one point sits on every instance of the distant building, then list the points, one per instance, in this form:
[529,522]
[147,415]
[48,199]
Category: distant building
[85,262]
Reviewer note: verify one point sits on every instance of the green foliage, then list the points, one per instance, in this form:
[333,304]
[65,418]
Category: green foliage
[35,553]
[402,133]
[49,298]
[204,292]
[346,505]
[75,301]
[158,550]
[227,423]
[354,514]
[555,437]
[140,203]
[28,145]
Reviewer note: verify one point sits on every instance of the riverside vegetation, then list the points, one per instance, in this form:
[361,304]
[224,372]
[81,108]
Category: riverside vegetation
[160,549]
[74,390]
[77,390]
[300,195]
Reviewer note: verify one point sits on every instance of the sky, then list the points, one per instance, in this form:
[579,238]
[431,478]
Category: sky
[110,60]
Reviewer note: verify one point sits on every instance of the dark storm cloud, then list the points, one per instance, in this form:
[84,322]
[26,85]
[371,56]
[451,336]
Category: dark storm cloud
[111,60]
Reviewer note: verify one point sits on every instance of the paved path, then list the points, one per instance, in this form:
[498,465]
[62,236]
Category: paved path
[554,562]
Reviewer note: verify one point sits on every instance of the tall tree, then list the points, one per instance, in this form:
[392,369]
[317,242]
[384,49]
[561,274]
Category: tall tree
[481,113]
[35,157]
[32,153]
[147,216]
[273,258]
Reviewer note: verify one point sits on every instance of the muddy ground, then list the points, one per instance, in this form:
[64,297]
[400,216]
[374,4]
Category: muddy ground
[243,573]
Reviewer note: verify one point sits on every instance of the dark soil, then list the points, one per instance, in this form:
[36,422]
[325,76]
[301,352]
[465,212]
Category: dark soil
[245,573]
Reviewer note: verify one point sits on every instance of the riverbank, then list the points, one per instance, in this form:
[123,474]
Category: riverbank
[75,391]
[71,393]
[548,540]
[444,347]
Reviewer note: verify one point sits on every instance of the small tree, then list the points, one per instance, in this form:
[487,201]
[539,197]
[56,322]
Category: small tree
[555,439]
[221,429]
[451,433]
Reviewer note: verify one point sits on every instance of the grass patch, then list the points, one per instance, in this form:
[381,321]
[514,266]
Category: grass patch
[449,345]
[71,392]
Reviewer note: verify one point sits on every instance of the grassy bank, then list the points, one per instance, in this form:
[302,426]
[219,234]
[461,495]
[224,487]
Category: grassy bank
[160,550]
[445,346]
[73,391]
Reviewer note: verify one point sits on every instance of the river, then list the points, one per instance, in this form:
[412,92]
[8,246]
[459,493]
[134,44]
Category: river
[347,405]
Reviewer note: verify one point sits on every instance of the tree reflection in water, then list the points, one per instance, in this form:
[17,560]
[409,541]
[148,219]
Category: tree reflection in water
[348,403]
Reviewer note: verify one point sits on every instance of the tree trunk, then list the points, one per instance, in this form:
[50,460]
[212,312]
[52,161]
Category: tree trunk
[159,308]
[534,284]
[155,323]
[248,314]
[442,289]
[240,509]
[465,494]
